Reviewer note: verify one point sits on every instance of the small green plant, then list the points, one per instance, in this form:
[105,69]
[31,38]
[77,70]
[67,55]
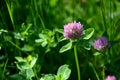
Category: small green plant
[63,73]
[25,65]
[46,39]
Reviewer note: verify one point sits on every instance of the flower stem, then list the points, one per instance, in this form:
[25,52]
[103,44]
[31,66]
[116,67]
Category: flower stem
[77,63]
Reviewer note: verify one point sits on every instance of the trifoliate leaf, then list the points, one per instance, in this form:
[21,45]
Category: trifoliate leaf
[63,72]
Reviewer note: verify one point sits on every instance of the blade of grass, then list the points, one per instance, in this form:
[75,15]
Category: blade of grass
[4,69]
[97,76]
[10,13]
[103,14]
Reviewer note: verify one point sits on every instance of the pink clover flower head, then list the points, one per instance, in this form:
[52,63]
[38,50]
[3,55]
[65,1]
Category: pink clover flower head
[73,30]
[101,43]
[110,77]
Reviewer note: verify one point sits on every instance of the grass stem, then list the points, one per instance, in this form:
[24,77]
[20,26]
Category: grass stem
[97,76]
[4,69]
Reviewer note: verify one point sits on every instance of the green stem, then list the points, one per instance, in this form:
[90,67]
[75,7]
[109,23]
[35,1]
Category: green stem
[36,73]
[4,68]
[15,45]
[103,73]
[97,76]
[77,63]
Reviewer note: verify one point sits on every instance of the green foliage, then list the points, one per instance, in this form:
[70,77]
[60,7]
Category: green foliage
[46,39]
[66,47]
[63,73]
[3,31]
[26,68]
[27,48]
[48,77]
[88,33]
[24,32]
[86,45]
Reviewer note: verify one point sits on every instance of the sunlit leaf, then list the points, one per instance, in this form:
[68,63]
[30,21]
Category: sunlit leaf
[66,47]
[48,77]
[29,58]
[39,40]
[97,54]
[29,73]
[18,36]
[88,33]
[34,59]
[53,3]
[43,44]
[22,65]
[2,30]
[86,45]
[16,77]
[27,48]
[59,30]
[62,39]
[64,72]
[20,59]
[42,36]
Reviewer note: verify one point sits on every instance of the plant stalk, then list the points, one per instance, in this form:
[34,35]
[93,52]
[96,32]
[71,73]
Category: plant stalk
[96,74]
[4,69]
[77,63]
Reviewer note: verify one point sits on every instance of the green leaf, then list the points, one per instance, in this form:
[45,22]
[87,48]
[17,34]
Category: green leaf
[42,36]
[29,58]
[33,62]
[62,39]
[97,54]
[86,45]
[29,73]
[22,72]
[2,30]
[43,44]
[48,77]
[63,72]
[18,36]
[59,77]
[88,33]
[53,3]
[26,63]
[66,47]
[16,77]
[59,30]
[22,65]
[27,48]
[20,59]
[39,40]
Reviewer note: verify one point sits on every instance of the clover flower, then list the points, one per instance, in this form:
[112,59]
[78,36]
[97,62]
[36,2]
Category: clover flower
[110,77]
[73,30]
[101,43]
